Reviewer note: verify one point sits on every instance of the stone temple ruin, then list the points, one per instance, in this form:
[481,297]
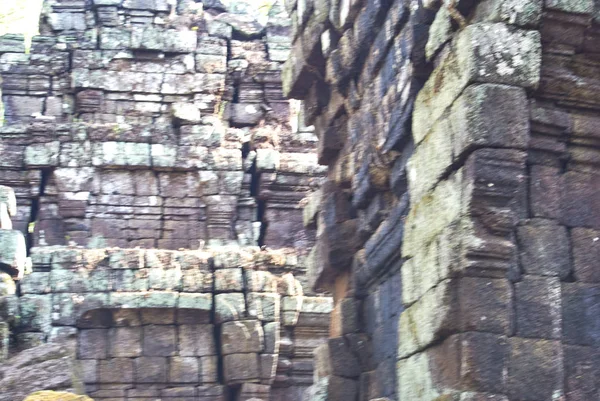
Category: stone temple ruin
[422,224]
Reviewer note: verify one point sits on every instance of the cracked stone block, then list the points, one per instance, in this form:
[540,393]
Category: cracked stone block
[229,306]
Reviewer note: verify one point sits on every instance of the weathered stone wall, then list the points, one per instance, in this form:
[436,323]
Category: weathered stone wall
[225,323]
[150,152]
[459,140]
[155,323]
[138,123]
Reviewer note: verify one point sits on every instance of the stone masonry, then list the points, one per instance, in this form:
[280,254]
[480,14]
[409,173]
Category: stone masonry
[152,178]
[458,227]
[139,123]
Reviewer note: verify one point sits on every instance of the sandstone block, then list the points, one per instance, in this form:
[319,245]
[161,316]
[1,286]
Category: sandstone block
[196,340]
[579,302]
[544,249]
[159,340]
[125,341]
[93,344]
[229,306]
[240,368]
[228,280]
[151,370]
[116,370]
[240,337]
[183,370]
[484,52]
[538,307]
[534,369]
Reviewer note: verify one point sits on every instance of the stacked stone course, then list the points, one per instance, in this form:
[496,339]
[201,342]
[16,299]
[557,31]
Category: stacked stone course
[458,222]
[140,123]
[158,176]
[152,323]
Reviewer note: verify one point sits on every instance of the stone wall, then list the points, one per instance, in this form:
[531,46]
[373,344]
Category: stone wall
[155,323]
[152,180]
[140,123]
[461,201]
[225,323]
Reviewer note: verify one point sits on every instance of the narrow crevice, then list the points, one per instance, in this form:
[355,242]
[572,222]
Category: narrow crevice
[246,150]
[35,209]
[216,328]
[261,207]
[260,203]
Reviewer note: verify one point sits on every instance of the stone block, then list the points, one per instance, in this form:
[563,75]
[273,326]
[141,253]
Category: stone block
[18,107]
[197,302]
[586,253]
[544,249]
[93,344]
[116,370]
[570,6]
[126,317]
[240,337]
[253,391]
[125,341]
[35,312]
[515,12]
[545,191]
[239,368]
[209,369]
[483,358]
[246,114]
[229,306]
[89,370]
[159,340]
[159,299]
[183,370]
[263,306]
[578,202]
[196,340]
[538,307]
[534,369]
[580,367]
[169,40]
[197,281]
[486,305]
[7,197]
[343,361]
[484,52]
[228,280]
[150,370]
[344,318]
[580,302]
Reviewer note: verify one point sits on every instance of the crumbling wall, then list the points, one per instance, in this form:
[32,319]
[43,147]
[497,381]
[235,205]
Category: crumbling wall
[459,140]
[158,176]
[225,323]
[146,123]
